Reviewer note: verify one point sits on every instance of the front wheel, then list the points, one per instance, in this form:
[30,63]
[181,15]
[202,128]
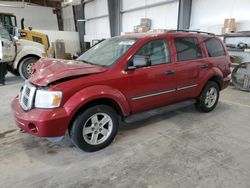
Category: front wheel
[94,128]
[26,67]
[209,97]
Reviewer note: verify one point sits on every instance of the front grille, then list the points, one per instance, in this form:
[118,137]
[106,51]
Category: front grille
[26,96]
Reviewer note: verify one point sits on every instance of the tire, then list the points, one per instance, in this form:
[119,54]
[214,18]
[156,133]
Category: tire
[209,97]
[87,132]
[26,67]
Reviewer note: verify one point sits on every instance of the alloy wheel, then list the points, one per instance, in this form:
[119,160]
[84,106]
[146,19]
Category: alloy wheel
[97,128]
[211,97]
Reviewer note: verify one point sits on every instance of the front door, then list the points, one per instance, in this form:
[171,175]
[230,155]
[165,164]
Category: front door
[153,85]
[7,47]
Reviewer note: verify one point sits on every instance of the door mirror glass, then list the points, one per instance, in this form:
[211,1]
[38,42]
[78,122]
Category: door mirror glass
[140,61]
[16,33]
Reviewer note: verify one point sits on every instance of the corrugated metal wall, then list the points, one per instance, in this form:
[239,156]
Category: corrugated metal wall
[162,16]
[209,15]
[96,28]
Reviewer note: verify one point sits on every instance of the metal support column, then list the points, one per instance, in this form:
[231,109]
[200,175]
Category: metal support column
[184,14]
[114,17]
[79,15]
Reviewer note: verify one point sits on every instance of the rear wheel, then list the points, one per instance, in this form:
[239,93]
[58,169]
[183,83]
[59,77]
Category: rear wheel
[94,128]
[209,97]
[26,67]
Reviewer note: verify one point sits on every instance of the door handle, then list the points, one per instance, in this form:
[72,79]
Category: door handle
[169,72]
[204,66]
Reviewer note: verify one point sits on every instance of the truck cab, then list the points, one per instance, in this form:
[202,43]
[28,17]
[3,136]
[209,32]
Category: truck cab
[19,54]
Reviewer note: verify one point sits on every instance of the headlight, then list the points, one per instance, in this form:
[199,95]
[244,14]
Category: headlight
[48,99]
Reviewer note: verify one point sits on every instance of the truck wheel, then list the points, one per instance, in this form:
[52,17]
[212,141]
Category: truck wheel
[26,67]
[94,128]
[209,97]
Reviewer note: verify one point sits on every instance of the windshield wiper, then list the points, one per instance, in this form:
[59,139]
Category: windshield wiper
[88,62]
[84,61]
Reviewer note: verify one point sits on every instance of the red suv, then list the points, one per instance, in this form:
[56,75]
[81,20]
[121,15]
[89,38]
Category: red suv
[118,77]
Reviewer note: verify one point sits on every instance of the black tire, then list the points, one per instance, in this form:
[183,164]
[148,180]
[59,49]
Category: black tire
[202,104]
[83,119]
[25,67]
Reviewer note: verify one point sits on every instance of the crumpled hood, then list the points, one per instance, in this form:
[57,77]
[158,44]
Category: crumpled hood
[48,70]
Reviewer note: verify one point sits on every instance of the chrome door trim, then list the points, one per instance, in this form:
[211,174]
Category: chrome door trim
[164,92]
[187,87]
[153,94]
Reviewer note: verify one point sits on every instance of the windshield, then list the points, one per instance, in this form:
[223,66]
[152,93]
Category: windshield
[107,52]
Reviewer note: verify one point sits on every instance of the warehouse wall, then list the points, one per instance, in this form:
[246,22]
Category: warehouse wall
[96,28]
[33,15]
[163,17]
[209,15]
[71,39]
[68,18]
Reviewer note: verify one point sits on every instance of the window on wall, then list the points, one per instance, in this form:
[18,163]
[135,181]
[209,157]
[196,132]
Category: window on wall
[214,47]
[156,51]
[187,48]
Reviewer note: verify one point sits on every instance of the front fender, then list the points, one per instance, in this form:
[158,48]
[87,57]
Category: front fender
[27,51]
[82,97]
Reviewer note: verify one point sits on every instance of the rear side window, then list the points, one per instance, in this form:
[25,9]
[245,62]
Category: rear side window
[214,47]
[187,48]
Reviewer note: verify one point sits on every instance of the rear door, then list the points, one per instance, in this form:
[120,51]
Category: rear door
[216,54]
[154,85]
[190,65]
[7,47]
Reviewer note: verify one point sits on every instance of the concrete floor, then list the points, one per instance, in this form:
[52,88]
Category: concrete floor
[178,148]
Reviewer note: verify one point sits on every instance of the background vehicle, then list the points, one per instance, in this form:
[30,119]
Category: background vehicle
[126,75]
[34,36]
[6,53]
[19,54]
[8,21]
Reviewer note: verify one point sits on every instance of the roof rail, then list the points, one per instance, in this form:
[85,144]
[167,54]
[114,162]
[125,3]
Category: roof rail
[191,31]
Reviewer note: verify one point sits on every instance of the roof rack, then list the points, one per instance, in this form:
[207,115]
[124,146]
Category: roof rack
[191,31]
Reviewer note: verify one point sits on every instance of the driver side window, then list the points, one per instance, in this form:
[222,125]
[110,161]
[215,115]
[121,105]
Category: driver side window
[4,34]
[156,52]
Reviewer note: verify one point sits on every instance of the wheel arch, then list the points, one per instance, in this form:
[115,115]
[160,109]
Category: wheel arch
[25,57]
[98,101]
[217,80]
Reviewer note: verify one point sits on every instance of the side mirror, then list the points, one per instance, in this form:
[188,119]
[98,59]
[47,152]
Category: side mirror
[75,56]
[138,61]
[15,35]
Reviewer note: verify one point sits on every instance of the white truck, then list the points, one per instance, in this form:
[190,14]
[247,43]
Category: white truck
[20,54]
